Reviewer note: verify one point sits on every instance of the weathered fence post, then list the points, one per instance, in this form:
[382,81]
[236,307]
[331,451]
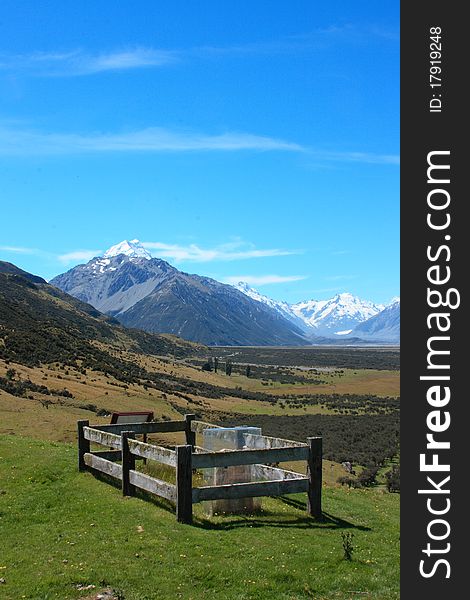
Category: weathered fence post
[184,484]
[144,439]
[83,444]
[315,476]
[128,463]
[190,435]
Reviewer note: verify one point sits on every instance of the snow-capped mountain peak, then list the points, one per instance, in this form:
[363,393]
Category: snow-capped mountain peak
[338,314]
[132,249]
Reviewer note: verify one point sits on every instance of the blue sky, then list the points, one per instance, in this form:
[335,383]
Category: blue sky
[238,140]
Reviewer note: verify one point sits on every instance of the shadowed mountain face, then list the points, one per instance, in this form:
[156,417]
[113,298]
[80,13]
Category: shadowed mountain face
[152,295]
[384,326]
[41,324]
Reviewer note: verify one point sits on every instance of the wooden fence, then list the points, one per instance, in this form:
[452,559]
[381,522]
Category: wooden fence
[122,446]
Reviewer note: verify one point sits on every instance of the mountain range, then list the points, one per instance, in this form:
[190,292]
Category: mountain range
[338,316]
[148,293]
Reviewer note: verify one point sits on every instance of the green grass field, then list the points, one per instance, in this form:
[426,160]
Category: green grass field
[62,530]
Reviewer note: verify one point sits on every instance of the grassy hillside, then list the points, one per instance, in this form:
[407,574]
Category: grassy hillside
[41,324]
[64,531]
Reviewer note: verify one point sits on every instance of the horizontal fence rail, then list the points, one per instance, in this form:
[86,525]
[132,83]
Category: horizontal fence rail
[151,427]
[157,453]
[260,442]
[103,465]
[101,437]
[250,490]
[154,486]
[232,458]
[274,473]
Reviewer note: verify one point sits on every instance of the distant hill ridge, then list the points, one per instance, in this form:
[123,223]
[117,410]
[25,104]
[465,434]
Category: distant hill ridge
[11,269]
[41,324]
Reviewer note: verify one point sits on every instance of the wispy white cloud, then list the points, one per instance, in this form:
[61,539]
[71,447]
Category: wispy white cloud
[16,141]
[226,252]
[355,157]
[77,62]
[74,256]
[314,40]
[18,249]
[23,142]
[141,57]
[78,255]
[236,250]
[69,257]
[262,279]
